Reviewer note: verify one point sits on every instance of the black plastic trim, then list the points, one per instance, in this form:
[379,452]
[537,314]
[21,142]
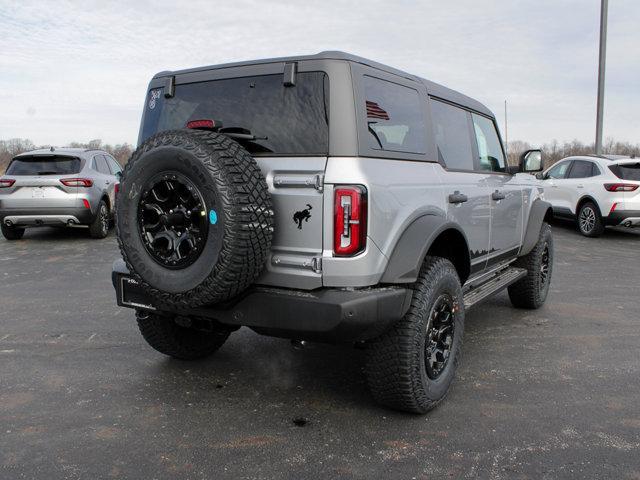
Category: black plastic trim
[327,315]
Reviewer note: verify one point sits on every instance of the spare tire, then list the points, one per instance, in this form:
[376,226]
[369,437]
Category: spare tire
[194,218]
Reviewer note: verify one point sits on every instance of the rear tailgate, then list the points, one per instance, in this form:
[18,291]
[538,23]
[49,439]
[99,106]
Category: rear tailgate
[296,187]
[629,173]
[38,183]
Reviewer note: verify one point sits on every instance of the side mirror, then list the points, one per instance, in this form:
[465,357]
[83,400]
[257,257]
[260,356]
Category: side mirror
[540,176]
[531,161]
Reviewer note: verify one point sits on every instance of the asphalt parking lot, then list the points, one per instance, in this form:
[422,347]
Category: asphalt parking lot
[553,393]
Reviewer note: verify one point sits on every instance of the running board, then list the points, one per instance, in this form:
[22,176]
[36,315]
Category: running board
[496,283]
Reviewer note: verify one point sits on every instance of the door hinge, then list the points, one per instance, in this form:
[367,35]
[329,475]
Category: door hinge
[291,261]
[299,181]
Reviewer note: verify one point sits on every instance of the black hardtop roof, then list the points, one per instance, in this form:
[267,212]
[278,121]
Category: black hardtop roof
[434,89]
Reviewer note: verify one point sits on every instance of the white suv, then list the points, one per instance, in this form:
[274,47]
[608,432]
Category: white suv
[596,191]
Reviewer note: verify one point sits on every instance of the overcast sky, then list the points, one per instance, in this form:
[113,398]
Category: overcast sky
[78,70]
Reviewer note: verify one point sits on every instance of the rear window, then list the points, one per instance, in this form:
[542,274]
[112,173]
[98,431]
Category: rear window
[287,120]
[394,116]
[44,165]
[629,171]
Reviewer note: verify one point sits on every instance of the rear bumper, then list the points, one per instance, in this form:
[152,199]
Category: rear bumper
[45,216]
[328,314]
[627,218]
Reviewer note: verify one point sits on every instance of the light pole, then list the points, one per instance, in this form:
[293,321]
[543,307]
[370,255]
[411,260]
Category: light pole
[601,66]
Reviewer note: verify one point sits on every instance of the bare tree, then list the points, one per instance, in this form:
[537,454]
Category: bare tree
[554,151]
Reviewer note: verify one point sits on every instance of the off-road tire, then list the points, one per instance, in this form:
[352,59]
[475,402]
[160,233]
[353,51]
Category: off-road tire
[531,291]
[99,228]
[595,226]
[396,361]
[164,335]
[237,244]
[12,233]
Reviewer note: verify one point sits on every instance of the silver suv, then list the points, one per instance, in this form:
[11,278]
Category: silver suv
[59,187]
[326,198]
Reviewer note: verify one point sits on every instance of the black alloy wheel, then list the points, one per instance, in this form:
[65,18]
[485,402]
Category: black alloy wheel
[172,220]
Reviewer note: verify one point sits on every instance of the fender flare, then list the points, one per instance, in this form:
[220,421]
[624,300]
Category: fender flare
[587,198]
[412,247]
[539,211]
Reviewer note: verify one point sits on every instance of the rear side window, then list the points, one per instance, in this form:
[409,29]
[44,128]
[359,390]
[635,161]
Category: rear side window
[101,164]
[627,171]
[395,121]
[286,120]
[581,169]
[453,138]
[44,165]
[490,151]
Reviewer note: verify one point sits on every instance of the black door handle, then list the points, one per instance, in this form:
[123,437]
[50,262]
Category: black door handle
[497,195]
[457,197]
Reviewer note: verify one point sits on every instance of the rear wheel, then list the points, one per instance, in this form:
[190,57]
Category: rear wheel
[590,221]
[176,336]
[12,233]
[411,366]
[99,228]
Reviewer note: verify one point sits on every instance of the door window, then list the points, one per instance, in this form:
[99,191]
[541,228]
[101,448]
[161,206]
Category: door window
[581,169]
[490,154]
[559,171]
[453,139]
[395,121]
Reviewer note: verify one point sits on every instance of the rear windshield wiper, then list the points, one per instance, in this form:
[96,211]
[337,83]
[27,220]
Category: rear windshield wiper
[375,134]
[47,172]
[240,133]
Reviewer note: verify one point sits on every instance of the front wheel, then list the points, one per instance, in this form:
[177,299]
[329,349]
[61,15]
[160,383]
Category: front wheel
[590,221]
[176,337]
[531,291]
[411,366]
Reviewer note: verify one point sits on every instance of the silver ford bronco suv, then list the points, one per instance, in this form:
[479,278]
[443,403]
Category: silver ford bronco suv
[326,198]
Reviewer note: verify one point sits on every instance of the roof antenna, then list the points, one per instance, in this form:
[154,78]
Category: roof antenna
[52,149]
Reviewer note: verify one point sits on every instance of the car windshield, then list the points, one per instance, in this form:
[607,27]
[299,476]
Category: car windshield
[276,119]
[44,165]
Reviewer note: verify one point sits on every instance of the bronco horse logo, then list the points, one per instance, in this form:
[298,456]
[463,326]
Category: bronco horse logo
[305,215]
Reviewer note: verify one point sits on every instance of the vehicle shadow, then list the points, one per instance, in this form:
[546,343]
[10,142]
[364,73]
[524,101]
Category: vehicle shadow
[62,233]
[621,233]
[310,382]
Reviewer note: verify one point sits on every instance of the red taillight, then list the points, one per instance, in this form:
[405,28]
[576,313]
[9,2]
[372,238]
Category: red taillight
[204,123]
[620,187]
[116,188]
[350,220]
[77,182]
[86,204]
[6,182]
[613,207]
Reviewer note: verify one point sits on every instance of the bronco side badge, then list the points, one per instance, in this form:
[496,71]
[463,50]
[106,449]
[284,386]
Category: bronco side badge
[305,215]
